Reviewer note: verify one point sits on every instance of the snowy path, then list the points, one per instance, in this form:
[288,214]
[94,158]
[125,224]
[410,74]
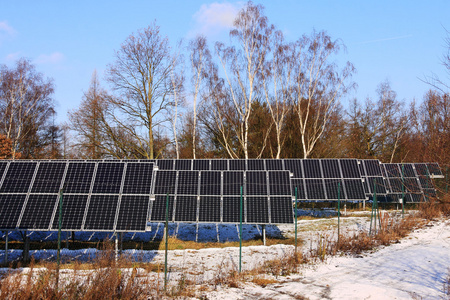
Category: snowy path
[413,268]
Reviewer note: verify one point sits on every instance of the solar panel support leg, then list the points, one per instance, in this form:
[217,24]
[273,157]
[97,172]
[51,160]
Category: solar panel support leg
[264,233]
[6,247]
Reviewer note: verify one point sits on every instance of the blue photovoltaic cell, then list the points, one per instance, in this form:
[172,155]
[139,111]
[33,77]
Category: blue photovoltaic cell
[354,189]
[294,166]
[380,185]
[187,183]
[279,183]
[396,185]
[165,182]
[133,213]
[38,212]
[315,189]
[373,167]
[18,177]
[158,213]
[79,177]
[48,178]
[186,209]
[231,209]
[407,170]
[101,212]
[165,164]
[392,170]
[422,169]
[281,210]
[108,178]
[332,186]
[74,207]
[138,178]
[433,169]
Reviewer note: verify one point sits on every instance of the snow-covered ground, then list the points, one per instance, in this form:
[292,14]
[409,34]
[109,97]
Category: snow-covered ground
[413,268]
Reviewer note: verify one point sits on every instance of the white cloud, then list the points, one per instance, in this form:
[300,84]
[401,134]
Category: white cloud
[212,18]
[53,58]
[12,57]
[5,29]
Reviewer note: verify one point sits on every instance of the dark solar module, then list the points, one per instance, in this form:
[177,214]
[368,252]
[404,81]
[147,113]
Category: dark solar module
[433,169]
[407,170]
[219,165]
[237,164]
[373,167]
[3,165]
[300,185]
[183,164]
[396,185]
[257,210]
[18,177]
[350,168]
[209,209]
[421,169]
[274,164]
[79,177]
[165,182]
[256,183]
[158,213]
[411,185]
[294,166]
[279,183]
[200,164]
[108,178]
[74,207]
[187,183]
[232,182]
[231,210]
[332,186]
[48,178]
[430,193]
[38,212]
[315,189]
[392,170]
[255,165]
[281,211]
[186,209]
[380,185]
[425,182]
[138,178]
[312,168]
[10,210]
[101,212]
[165,164]
[133,213]
[331,168]
[210,183]
[354,189]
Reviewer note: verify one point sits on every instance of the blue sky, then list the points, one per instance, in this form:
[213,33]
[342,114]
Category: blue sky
[401,41]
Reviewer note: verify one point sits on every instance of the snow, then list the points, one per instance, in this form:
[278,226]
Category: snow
[413,268]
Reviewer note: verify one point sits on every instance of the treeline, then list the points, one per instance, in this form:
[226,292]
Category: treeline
[258,96]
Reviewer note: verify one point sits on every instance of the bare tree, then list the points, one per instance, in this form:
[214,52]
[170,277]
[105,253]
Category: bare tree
[141,77]
[26,107]
[242,64]
[318,85]
[177,81]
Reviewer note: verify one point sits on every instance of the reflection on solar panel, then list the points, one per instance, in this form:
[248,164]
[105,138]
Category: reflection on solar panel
[295,166]
[372,167]
[18,177]
[101,213]
[354,189]
[38,212]
[165,182]
[133,213]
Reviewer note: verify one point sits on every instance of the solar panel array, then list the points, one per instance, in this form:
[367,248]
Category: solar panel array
[123,195]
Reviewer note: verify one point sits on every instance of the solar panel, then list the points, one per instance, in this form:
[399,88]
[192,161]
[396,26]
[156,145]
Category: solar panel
[187,183]
[372,167]
[232,182]
[74,207]
[209,209]
[257,210]
[312,168]
[274,164]
[183,164]
[219,165]
[133,213]
[231,210]
[237,164]
[315,189]
[108,178]
[412,185]
[294,166]
[210,183]
[354,189]
[407,170]
[279,183]
[18,177]
[101,213]
[281,210]
[256,183]
[158,213]
[396,185]
[165,164]
[165,182]
[38,212]
[3,165]
[186,208]
[138,178]
[421,169]
[331,187]
[10,209]
[255,165]
[350,168]
[200,164]
[380,185]
[79,177]
[48,178]
[300,185]
[331,168]
[433,169]
[392,170]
